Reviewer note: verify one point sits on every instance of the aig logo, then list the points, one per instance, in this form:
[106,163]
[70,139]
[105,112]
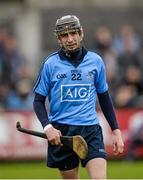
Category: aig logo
[75,92]
[61,76]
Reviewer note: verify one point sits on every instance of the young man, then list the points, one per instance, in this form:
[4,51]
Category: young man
[71,78]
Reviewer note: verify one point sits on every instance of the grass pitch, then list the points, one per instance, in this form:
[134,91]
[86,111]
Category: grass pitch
[38,170]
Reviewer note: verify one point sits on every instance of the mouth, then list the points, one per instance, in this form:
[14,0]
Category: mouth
[71,45]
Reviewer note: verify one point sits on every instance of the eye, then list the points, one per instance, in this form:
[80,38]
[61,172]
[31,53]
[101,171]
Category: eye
[64,35]
[73,33]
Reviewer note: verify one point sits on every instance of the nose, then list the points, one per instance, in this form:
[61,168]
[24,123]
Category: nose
[70,38]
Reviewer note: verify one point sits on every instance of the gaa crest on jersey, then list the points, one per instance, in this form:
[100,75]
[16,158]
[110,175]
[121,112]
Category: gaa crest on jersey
[90,75]
[75,92]
[61,76]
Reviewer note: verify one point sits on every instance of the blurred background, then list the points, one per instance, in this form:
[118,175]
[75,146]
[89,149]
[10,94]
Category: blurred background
[113,29]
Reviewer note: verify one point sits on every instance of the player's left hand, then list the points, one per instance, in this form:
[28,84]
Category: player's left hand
[117,144]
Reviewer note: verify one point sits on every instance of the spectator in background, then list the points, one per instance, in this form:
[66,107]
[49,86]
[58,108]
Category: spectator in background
[133,76]
[2,51]
[126,46]
[102,39]
[21,99]
[103,45]
[4,90]
[125,96]
[112,69]
[4,87]
[13,66]
[130,81]
[126,37]
[140,55]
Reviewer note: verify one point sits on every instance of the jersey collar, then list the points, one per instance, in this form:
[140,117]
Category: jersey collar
[74,58]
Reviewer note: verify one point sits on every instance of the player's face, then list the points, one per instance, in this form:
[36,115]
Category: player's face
[70,41]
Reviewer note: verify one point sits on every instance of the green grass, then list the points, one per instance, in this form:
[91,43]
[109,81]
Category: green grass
[38,170]
[125,170]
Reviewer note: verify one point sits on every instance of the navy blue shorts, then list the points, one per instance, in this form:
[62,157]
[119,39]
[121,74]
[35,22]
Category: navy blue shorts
[64,158]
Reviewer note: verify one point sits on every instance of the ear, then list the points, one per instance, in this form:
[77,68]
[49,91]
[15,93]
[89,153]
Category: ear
[59,42]
[81,34]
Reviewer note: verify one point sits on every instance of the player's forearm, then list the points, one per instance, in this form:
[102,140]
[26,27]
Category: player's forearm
[108,110]
[40,109]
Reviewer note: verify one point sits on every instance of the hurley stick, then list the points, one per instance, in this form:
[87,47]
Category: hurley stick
[76,143]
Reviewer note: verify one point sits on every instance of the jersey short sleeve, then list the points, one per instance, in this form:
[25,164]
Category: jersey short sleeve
[42,84]
[101,84]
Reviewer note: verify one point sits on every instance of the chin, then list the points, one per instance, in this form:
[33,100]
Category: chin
[73,49]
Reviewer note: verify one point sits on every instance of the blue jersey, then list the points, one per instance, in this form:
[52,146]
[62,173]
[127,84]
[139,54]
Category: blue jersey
[72,90]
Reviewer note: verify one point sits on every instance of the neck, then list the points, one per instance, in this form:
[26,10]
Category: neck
[75,58]
[73,55]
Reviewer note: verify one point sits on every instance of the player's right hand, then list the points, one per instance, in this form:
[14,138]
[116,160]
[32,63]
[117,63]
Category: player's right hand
[53,136]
